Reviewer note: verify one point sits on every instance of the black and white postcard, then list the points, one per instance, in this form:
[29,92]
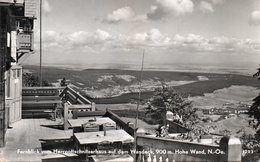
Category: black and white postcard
[129,80]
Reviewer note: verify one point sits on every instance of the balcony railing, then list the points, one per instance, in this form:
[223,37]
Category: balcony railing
[73,97]
[37,101]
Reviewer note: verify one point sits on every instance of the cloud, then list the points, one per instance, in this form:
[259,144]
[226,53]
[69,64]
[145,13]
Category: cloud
[193,39]
[50,35]
[164,8]
[46,7]
[101,40]
[86,39]
[139,18]
[255,18]
[194,43]
[217,1]
[79,39]
[161,10]
[224,44]
[101,35]
[206,7]
[151,38]
[119,15]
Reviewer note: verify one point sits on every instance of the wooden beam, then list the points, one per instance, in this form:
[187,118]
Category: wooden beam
[10,4]
[3,53]
[120,122]
[66,111]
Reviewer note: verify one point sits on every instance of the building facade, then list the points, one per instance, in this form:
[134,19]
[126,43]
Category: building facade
[16,39]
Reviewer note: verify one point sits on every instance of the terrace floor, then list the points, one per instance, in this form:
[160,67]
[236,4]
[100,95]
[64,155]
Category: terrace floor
[23,142]
[25,135]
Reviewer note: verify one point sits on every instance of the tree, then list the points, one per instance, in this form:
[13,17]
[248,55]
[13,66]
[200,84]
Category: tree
[167,99]
[253,142]
[29,80]
[254,110]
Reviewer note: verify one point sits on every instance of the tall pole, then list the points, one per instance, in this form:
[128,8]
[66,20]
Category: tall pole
[139,94]
[40,42]
[137,109]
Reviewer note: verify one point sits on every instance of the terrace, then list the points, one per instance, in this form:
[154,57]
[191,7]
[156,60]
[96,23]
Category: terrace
[59,122]
[77,125]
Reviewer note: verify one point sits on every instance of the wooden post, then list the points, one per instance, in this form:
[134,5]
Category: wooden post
[146,156]
[74,114]
[104,129]
[65,117]
[93,106]
[233,149]
[138,157]
[3,50]
[130,124]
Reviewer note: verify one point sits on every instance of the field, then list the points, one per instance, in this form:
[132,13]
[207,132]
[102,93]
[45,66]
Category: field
[232,95]
[237,125]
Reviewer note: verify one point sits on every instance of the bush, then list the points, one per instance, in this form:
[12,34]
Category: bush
[30,80]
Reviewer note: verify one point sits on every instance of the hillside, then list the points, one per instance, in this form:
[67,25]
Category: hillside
[121,86]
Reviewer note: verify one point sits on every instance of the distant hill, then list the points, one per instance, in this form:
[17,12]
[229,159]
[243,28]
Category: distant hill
[118,86]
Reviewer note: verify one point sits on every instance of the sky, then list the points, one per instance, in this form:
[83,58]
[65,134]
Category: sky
[103,33]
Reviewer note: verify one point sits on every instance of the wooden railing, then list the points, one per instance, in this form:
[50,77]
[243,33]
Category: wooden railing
[71,111]
[120,123]
[42,91]
[108,113]
[75,103]
[89,113]
[74,97]
[160,149]
[40,101]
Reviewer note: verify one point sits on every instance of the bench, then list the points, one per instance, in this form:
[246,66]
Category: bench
[40,101]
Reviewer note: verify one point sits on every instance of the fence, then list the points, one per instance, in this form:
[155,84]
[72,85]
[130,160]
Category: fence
[74,97]
[37,101]
[159,149]
[75,105]
[120,123]
[71,111]
[40,101]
